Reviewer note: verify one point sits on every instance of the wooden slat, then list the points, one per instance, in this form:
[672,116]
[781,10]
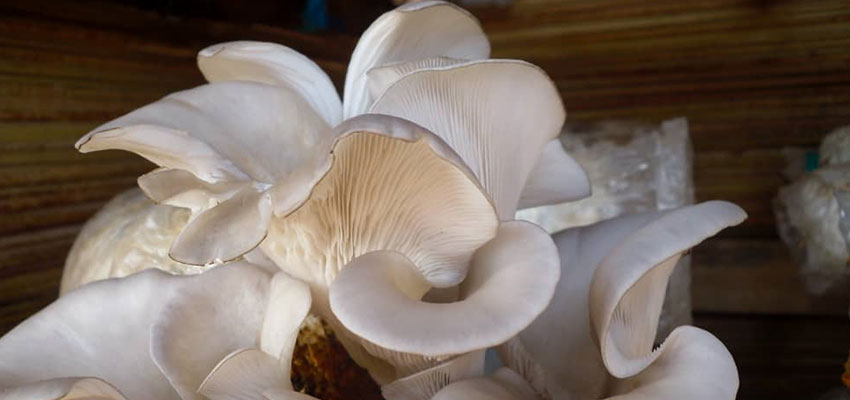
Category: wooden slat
[783,357]
[750,276]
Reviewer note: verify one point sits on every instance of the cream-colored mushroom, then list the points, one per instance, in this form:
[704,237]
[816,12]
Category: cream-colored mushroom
[273,64]
[128,234]
[511,280]
[154,335]
[498,115]
[390,185]
[414,31]
[232,140]
[595,339]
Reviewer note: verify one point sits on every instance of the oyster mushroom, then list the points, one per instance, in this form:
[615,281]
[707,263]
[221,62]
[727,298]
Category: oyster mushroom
[411,32]
[499,116]
[152,335]
[511,280]
[596,336]
[225,140]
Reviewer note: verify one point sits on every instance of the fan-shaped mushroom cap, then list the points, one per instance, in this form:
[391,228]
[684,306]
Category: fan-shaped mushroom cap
[273,64]
[232,130]
[628,287]
[614,274]
[82,333]
[391,185]
[233,139]
[511,280]
[411,32]
[498,115]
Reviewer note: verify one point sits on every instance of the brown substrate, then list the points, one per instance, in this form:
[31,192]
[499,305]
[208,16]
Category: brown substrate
[322,368]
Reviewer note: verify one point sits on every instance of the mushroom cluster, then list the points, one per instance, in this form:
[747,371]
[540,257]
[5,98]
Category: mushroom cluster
[389,214]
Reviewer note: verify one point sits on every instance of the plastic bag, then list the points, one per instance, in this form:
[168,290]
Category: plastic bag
[813,217]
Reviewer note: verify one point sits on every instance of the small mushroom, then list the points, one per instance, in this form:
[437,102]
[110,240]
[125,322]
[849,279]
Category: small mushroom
[414,31]
[273,64]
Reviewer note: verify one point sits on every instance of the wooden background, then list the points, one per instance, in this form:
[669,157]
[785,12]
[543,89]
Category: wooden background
[751,76]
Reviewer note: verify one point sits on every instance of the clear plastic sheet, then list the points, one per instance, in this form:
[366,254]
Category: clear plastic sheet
[813,215]
[633,168]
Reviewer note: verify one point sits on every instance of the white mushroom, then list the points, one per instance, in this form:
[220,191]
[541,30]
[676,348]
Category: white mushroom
[614,276]
[232,140]
[498,115]
[391,185]
[152,335]
[425,384]
[273,64]
[414,31]
[128,234]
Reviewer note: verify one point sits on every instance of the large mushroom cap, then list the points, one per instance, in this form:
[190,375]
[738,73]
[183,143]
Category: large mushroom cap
[391,185]
[499,116]
[511,280]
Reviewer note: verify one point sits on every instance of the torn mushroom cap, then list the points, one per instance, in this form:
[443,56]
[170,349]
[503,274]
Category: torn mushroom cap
[391,185]
[499,116]
[233,139]
[411,32]
[511,280]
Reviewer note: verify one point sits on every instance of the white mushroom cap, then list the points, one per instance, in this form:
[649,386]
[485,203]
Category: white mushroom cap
[628,287]
[230,141]
[498,115]
[232,130]
[511,280]
[391,185]
[273,64]
[118,330]
[411,32]
[615,275]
